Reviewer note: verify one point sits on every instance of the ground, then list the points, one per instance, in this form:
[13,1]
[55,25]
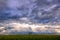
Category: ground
[29,37]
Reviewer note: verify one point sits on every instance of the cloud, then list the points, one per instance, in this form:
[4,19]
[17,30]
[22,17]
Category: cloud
[17,9]
[24,16]
[14,27]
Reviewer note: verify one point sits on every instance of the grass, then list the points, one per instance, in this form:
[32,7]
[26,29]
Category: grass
[29,37]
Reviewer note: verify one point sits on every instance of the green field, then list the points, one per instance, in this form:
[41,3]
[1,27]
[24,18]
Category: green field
[29,37]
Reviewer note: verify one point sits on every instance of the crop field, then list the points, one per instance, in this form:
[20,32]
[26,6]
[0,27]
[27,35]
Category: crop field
[29,37]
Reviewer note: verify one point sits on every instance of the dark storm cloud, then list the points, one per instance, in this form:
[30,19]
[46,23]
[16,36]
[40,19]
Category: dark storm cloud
[40,11]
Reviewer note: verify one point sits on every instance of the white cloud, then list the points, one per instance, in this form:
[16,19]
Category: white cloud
[16,27]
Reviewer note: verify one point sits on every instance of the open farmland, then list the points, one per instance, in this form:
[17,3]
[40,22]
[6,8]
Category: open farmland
[29,37]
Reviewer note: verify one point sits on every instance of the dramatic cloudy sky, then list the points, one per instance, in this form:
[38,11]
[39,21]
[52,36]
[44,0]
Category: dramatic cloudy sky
[25,16]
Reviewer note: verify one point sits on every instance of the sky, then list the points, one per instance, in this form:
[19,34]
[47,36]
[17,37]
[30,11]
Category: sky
[24,16]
